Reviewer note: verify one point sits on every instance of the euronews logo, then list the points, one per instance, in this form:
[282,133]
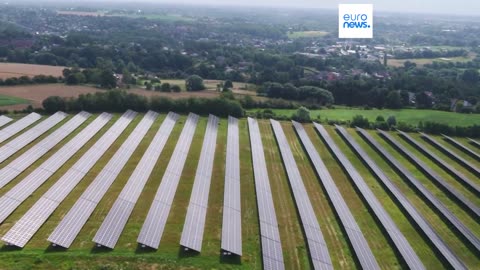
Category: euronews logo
[355,21]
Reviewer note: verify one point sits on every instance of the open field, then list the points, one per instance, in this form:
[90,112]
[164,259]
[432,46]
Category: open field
[423,61]
[410,116]
[127,255]
[307,34]
[209,85]
[8,101]
[35,94]
[9,70]
[81,13]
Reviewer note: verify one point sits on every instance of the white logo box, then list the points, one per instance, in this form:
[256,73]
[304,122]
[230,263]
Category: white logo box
[355,21]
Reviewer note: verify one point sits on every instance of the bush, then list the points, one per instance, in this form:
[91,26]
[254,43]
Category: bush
[176,88]
[360,121]
[194,83]
[302,115]
[391,121]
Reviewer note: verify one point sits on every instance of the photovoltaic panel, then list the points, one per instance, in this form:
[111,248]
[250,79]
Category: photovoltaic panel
[350,226]
[4,120]
[153,227]
[405,204]
[462,147]
[117,217]
[29,136]
[272,253]
[475,143]
[192,234]
[18,126]
[232,214]
[432,174]
[442,163]
[468,165]
[68,229]
[24,161]
[31,222]
[40,175]
[317,246]
[447,214]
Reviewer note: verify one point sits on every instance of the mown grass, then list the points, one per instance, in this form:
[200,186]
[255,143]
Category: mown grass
[9,100]
[83,255]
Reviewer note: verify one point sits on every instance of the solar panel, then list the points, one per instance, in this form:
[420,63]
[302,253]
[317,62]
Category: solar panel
[475,143]
[270,236]
[442,163]
[316,243]
[16,127]
[447,214]
[432,175]
[29,136]
[154,224]
[192,234]
[4,120]
[405,204]
[68,229]
[462,147]
[117,217]
[350,226]
[31,222]
[232,214]
[472,168]
[41,174]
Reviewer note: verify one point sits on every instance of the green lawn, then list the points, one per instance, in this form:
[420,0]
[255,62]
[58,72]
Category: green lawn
[410,116]
[83,255]
[307,34]
[8,100]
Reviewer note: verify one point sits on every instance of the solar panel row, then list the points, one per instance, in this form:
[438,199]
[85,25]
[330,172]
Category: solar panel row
[355,235]
[18,126]
[24,139]
[66,232]
[432,174]
[405,204]
[154,224]
[270,236]
[442,163]
[232,214]
[117,217]
[24,229]
[192,234]
[447,214]
[452,154]
[4,120]
[475,143]
[462,147]
[317,246]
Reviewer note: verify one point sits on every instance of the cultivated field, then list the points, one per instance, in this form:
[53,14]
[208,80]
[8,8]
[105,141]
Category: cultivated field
[307,34]
[9,70]
[127,255]
[35,94]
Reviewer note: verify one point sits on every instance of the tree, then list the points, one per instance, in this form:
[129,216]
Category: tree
[176,88]
[228,84]
[165,87]
[54,104]
[391,121]
[360,121]
[471,76]
[149,86]
[302,115]
[194,83]
[126,76]
[107,80]
[394,100]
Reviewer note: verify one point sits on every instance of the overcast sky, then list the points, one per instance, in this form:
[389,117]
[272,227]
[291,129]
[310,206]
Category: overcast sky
[460,7]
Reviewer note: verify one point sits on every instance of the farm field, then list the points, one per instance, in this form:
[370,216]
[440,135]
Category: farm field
[307,34]
[423,61]
[410,116]
[9,70]
[8,100]
[83,254]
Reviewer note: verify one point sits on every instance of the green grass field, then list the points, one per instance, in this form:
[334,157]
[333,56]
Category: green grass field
[307,34]
[410,116]
[8,100]
[83,255]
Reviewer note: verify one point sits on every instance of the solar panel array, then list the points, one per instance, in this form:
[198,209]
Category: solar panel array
[154,224]
[117,217]
[270,236]
[452,154]
[66,232]
[18,126]
[442,163]
[405,204]
[447,214]
[316,243]
[232,213]
[462,147]
[192,234]
[432,174]
[28,225]
[4,120]
[475,143]
[355,235]
[24,161]
[24,139]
